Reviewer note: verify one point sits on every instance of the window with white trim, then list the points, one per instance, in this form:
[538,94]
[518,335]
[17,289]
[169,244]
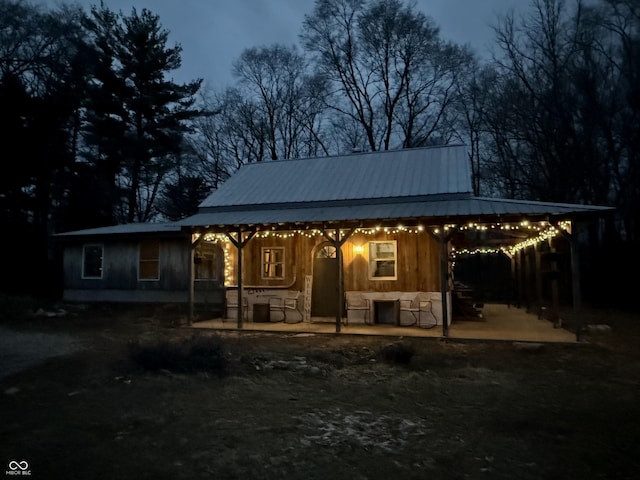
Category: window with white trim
[92,260]
[272,263]
[383,260]
[149,260]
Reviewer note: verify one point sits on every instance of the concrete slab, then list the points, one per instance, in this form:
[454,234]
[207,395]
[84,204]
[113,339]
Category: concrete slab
[499,322]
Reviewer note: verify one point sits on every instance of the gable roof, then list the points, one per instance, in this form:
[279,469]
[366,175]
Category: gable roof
[363,176]
[422,185]
[412,186]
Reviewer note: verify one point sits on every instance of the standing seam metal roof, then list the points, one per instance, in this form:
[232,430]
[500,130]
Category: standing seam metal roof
[464,208]
[426,184]
[398,173]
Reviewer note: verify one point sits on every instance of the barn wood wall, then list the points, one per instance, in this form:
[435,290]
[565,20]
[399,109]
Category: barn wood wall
[417,257]
[120,267]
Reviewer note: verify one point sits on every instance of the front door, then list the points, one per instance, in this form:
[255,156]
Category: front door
[324,289]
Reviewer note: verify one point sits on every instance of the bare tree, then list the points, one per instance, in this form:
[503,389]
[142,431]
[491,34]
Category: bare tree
[390,71]
[283,99]
[472,90]
[620,45]
[549,105]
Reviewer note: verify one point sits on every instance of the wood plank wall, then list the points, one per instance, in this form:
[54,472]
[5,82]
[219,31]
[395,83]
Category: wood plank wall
[417,262]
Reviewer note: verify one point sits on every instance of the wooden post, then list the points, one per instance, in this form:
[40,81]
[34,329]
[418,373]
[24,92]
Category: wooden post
[520,262]
[192,277]
[538,276]
[340,286]
[337,243]
[442,240]
[576,286]
[512,282]
[191,281]
[240,310]
[444,272]
[527,278]
[240,244]
[555,289]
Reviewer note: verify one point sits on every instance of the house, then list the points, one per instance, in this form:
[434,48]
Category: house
[366,237]
[139,263]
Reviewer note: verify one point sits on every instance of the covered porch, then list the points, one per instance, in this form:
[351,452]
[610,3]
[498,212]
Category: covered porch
[394,224]
[499,322]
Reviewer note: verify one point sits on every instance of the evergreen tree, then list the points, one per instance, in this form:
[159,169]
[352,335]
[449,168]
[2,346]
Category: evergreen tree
[136,119]
[40,89]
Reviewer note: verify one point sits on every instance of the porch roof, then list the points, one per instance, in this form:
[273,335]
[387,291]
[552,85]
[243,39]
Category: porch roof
[427,210]
[126,229]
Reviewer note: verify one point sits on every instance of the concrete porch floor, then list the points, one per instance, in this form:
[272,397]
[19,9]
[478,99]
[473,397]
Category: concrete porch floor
[499,322]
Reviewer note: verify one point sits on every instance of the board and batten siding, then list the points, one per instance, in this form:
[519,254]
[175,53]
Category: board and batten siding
[120,283]
[417,262]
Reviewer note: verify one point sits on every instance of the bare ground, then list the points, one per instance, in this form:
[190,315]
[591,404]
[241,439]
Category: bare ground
[320,407]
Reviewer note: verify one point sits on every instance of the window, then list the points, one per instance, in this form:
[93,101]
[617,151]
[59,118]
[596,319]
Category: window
[273,263]
[92,256]
[149,265]
[327,251]
[206,261]
[382,260]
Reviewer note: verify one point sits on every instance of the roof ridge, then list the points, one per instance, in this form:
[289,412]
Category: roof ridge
[351,155]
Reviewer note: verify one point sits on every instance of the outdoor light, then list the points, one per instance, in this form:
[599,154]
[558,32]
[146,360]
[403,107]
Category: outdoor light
[358,249]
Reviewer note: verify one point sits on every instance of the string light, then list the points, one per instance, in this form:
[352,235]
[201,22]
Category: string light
[475,251]
[543,231]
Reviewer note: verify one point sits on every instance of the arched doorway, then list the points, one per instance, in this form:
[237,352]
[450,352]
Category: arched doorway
[324,292]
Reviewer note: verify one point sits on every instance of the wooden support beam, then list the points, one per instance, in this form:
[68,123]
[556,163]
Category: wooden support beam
[444,277]
[576,287]
[512,282]
[192,277]
[337,243]
[240,243]
[443,238]
[519,261]
[538,275]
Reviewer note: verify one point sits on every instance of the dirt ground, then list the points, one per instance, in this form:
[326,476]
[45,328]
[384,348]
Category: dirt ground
[319,407]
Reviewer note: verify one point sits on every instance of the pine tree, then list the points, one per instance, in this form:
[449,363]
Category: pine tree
[136,118]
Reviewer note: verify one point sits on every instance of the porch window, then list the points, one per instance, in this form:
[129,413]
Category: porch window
[206,261]
[382,260]
[149,264]
[92,259]
[273,263]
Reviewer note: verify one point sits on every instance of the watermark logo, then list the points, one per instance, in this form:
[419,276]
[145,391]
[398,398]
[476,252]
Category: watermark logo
[18,468]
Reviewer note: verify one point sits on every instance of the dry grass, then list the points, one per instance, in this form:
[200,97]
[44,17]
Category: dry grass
[324,406]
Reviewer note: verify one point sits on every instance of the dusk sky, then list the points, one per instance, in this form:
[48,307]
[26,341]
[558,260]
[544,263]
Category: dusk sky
[213,33]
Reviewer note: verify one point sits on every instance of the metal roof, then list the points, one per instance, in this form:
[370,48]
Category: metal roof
[126,229]
[397,173]
[430,185]
[434,212]
[423,185]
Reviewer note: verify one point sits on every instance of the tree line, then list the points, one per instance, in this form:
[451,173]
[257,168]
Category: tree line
[95,133]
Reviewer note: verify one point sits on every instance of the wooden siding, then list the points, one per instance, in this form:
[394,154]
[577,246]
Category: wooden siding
[417,266]
[120,281]
[417,262]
